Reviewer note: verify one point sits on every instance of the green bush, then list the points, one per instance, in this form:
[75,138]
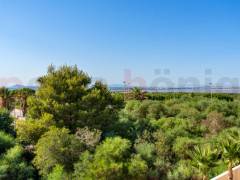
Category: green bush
[5,121]
[57,147]
[13,165]
[112,160]
[6,141]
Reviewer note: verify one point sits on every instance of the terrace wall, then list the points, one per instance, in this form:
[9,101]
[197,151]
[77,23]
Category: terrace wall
[224,176]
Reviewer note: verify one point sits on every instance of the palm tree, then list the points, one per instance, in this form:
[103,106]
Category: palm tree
[231,150]
[203,159]
[138,94]
[21,96]
[5,97]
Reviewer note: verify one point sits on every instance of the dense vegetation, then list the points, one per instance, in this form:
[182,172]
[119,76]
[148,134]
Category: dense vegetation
[76,129]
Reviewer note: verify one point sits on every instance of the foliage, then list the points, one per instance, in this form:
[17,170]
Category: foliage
[58,173]
[182,170]
[215,122]
[230,144]
[13,165]
[5,121]
[146,151]
[21,96]
[204,158]
[78,129]
[146,109]
[6,142]
[57,147]
[137,94]
[5,98]
[231,149]
[184,143]
[111,161]
[137,168]
[88,137]
[65,94]
[30,131]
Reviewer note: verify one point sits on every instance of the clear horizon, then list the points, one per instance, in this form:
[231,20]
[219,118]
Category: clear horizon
[150,39]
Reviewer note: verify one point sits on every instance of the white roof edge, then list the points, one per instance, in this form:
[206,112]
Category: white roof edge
[225,173]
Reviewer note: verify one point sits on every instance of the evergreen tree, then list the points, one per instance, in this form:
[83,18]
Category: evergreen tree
[66,94]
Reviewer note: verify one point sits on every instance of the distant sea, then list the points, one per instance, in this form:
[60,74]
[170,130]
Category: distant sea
[232,90]
[119,88]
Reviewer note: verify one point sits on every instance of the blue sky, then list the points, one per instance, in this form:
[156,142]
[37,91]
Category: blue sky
[104,37]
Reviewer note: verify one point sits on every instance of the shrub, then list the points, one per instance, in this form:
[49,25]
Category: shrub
[6,141]
[13,165]
[5,121]
[57,146]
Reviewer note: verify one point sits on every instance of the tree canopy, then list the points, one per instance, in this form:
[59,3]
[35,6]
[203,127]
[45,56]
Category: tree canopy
[78,129]
[68,95]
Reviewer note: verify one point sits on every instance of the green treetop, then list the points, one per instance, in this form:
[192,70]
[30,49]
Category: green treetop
[67,94]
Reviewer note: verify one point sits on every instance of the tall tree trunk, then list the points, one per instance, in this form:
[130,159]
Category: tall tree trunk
[230,171]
